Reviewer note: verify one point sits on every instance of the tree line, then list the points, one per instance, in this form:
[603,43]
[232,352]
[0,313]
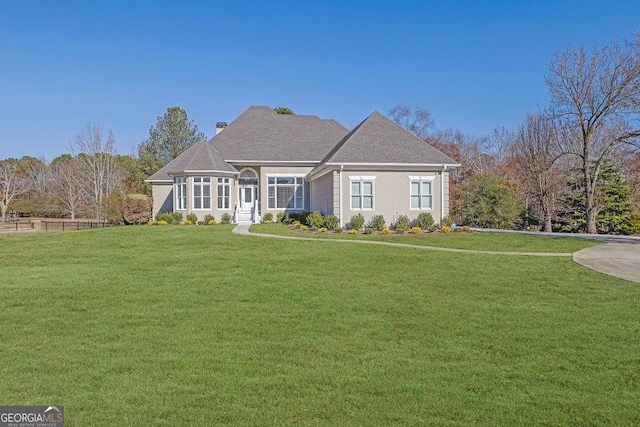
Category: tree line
[92,180]
[574,166]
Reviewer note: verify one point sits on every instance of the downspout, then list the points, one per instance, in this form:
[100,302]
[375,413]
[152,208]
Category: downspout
[340,191]
[444,168]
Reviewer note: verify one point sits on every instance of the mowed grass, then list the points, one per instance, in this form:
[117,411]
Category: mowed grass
[197,326]
[483,241]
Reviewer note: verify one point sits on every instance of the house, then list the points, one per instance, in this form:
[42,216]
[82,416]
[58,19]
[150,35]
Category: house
[268,162]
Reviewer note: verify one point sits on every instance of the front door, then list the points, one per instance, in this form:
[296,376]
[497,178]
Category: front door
[247,194]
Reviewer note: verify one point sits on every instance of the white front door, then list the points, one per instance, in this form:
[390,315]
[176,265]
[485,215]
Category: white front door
[247,194]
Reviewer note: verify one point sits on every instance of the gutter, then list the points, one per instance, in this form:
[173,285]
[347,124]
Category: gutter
[340,191]
[444,168]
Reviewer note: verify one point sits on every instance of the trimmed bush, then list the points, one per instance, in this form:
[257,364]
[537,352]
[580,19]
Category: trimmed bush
[169,217]
[466,228]
[152,223]
[386,230]
[267,217]
[447,221]
[416,230]
[296,224]
[322,230]
[368,230]
[425,221]
[315,219]
[162,222]
[338,229]
[192,218]
[304,227]
[377,222]
[356,222]
[280,217]
[212,222]
[136,209]
[207,219]
[300,216]
[446,229]
[331,222]
[352,231]
[187,222]
[225,218]
[402,224]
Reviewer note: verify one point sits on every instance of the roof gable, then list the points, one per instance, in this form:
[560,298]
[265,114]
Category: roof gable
[378,140]
[261,134]
[201,156]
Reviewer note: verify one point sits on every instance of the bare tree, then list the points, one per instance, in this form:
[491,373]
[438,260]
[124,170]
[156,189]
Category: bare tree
[12,184]
[68,187]
[535,157]
[417,121]
[99,166]
[595,101]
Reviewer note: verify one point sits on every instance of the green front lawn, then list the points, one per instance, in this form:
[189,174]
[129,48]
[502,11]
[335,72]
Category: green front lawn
[485,241]
[193,325]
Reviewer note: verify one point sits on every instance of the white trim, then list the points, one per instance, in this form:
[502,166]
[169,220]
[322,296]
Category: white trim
[272,162]
[422,178]
[361,195]
[340,195]
[202,196]
[421,194]
[285,175]
[361,178]
[202,172]
[439,165]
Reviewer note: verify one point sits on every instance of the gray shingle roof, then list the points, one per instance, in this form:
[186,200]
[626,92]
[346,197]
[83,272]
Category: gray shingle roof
[201,156]
[379,140]
[260,134]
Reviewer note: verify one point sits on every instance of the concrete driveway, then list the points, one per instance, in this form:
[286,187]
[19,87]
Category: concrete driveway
[615,259]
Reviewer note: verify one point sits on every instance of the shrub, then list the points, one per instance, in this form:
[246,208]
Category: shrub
[447,221]
[170,217]
[368,230]
[446,229]
[322,230]
[212,222]
[136,209]
[331,222]
[267,217]
[338,229]
[225,218]
[315,219]
[377,222]
[466,228]
[386,230]
[280,217]
[416,230]
[296,224]
[208,218]
[267,221]
[192,218]
[162,222]
[304,227]
[152,223]
[299,216]
[356,222]
[425,221]
[352,231]
[402,224]
[187,222]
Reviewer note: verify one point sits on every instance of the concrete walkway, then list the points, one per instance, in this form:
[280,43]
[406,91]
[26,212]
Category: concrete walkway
[620,257]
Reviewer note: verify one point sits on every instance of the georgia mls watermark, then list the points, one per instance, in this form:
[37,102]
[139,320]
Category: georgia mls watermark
[31,416]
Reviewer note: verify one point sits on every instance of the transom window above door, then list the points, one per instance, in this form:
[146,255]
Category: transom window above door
[248,177]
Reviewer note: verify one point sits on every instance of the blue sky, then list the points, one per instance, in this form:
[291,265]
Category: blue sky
[475,66]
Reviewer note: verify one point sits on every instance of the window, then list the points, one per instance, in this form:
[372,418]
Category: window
[285,192]
[181,193]
[421,192]
[201,192]
[362,192]
[223,193]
